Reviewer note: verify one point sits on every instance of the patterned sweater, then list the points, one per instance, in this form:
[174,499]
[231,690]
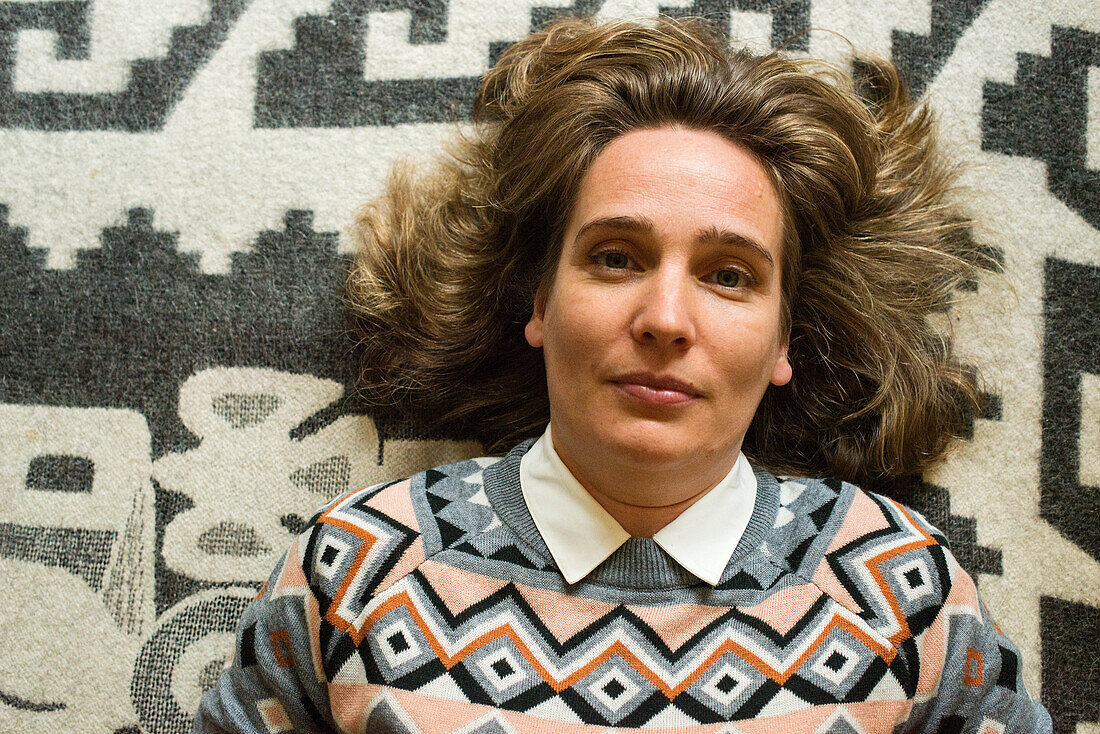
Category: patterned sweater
[432,604]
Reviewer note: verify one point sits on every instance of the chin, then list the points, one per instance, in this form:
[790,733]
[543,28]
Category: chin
[650,447]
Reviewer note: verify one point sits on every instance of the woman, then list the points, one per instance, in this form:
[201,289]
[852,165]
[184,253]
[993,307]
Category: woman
[654,259]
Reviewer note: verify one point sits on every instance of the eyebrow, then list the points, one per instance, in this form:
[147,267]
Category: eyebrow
[644,225]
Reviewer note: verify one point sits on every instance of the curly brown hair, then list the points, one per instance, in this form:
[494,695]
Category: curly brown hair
[449,262]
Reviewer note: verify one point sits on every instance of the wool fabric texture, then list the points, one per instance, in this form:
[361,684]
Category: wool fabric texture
[432,604]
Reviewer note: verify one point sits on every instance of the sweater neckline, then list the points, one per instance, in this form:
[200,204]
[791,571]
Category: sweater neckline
[639,563]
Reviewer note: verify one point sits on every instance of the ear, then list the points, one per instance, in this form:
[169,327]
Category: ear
[782,373]
[533,330]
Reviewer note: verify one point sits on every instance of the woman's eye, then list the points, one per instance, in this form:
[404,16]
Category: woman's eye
[730,278]
[615,260]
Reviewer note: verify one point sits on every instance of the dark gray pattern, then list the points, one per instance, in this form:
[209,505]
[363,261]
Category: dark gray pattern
[1044,116]
[155,84]
[919,57]
[1071,348]
[136,317]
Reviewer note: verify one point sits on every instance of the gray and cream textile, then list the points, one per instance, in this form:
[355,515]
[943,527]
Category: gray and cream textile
[175,389]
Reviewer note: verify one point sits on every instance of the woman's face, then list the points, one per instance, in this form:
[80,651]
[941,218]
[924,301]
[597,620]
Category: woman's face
[662,327]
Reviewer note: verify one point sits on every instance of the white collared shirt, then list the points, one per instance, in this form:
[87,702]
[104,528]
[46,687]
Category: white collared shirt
[580,533]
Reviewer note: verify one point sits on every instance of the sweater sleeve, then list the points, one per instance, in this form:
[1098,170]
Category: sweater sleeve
[274,680]
[300,643]
[973,671]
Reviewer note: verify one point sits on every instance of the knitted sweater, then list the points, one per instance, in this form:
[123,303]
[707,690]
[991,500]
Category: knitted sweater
[432,604]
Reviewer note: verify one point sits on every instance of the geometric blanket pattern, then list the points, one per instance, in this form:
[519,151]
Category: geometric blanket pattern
[176,393]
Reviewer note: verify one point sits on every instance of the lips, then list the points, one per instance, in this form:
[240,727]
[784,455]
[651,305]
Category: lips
[659,390]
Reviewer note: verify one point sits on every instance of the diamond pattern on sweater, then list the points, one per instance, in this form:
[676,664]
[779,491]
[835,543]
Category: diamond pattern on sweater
[351,548]
[424,595]
[897,575]
[847,634]
[804,508]
[616,670]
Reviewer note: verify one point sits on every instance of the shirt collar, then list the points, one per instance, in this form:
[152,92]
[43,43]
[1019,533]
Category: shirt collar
[580,534]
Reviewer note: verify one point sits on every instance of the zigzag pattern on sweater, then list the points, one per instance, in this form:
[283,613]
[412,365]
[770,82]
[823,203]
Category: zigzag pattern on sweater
[617,670]
[403,604]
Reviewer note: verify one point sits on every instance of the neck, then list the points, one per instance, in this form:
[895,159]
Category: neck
[639,520]
[643,499]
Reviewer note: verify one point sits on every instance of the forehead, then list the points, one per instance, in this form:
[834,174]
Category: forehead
[681,180]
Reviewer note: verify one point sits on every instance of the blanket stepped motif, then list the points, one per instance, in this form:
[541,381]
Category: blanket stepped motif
[175,386]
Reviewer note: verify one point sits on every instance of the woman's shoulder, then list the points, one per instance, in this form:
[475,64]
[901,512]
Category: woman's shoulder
[382,532]
[414,504]
[873,555]
[835,515]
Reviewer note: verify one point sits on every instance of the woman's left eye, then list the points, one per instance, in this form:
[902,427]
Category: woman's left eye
[730,278]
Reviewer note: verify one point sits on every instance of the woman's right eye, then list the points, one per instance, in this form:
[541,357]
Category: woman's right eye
[613,259]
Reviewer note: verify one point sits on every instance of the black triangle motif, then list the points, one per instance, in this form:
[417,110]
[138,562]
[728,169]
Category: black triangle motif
[385,718]
[794,560]
[436,502]
[432,476]
[743,580]
[511,554]
[467,548]
[820,516]
[448,533]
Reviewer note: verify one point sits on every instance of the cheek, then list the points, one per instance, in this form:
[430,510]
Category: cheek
[567,340]
[577,342]
[748,355]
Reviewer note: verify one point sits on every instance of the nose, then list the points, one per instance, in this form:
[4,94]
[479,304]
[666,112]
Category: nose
[663,314]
